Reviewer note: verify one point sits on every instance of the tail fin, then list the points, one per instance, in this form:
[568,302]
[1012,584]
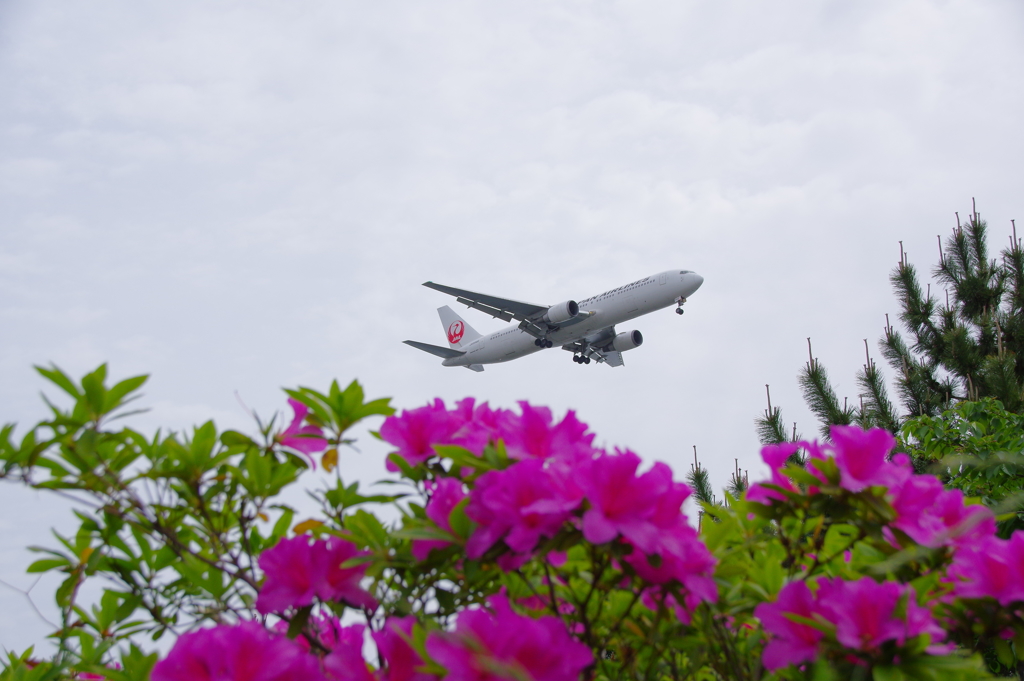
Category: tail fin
[458,331]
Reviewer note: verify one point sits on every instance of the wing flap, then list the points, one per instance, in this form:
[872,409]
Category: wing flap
[613,358]
[487,309]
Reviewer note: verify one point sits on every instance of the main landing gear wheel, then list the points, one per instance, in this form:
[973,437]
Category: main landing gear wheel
[543,343]
[586,360]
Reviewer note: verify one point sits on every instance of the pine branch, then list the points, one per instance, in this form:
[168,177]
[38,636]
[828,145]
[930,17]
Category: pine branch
[771,430]
[700,481]
[878,410]
[916,382]
[822,399]
[917,311]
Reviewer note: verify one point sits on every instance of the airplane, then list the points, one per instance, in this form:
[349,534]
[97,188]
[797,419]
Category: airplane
[585,328]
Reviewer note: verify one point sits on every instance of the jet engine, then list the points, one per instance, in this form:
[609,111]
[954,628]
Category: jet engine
[562,312]
[627,340]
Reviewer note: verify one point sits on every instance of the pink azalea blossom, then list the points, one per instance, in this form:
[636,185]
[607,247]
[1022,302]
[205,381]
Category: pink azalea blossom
[532,435]
[776,457]
[992,568]
[403,662]
[416,431]
[862,611]
[345,661]
[934,517]
[623,503]
[792,642]
[308,439]
[447,493]
[480,424]
[689,559]
[861,456]
[297,572]
[520,504]
[683,560]
[500,645]
[243,652]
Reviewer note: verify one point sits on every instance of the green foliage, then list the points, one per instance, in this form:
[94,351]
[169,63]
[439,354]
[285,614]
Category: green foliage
[977,447]
[172,524]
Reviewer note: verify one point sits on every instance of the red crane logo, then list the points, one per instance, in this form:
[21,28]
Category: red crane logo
[455,332]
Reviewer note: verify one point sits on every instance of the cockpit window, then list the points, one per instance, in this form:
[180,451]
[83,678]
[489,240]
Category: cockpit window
[685,272]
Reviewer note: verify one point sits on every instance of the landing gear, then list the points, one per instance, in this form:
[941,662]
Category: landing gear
[580,359]
[543,343]
[680,300]
[679,310]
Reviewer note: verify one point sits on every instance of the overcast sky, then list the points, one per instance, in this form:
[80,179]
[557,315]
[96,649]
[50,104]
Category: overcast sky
[240,196]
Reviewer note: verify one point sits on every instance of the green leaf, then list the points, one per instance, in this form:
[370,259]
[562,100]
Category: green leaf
[367,529]
[47,564]
[60,379]
[95,391]
[115,396]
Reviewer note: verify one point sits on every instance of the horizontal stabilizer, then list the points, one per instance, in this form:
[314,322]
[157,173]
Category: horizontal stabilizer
[446,353]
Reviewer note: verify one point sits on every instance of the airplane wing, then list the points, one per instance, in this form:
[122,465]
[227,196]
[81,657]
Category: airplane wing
[501,308]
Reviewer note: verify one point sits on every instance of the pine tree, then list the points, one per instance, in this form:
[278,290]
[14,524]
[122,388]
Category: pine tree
[969,346]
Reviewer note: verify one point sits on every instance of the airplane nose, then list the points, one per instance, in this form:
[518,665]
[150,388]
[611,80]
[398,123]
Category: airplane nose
[693,282]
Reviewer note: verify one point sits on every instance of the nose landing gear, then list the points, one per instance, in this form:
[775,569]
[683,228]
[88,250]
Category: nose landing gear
[680,300]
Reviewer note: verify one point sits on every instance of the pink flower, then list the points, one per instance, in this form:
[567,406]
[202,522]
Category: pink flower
[792,642]
[520,504]
[297,572]
[992,568]
[402,659]
[500,645]
[623,503]
[683,559]
[307,439]
[447,494]
[776,457]
[862,611]
[416,431]
[532,435]
[244,652]
[861,457]
[479,424]
[934,516]
[345,661]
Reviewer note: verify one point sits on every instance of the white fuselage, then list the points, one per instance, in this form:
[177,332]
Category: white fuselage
[609,308]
